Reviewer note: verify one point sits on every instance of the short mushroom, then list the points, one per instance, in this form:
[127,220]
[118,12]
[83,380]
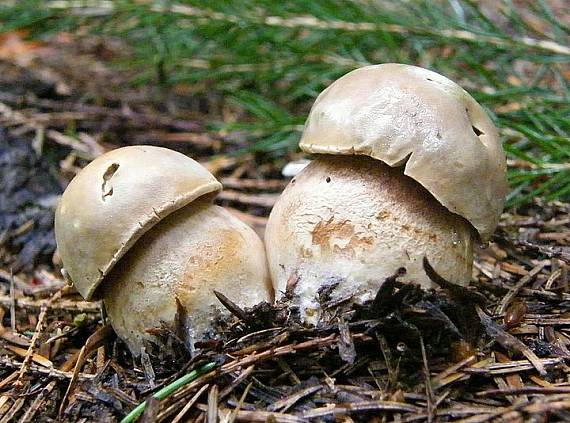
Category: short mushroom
[137,229]
[407,165]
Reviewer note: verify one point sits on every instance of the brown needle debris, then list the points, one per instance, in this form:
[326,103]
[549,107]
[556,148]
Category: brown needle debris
[454,354]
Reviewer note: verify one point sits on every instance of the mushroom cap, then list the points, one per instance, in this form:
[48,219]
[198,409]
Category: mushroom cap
[402,114]
[168,277]
[114,200]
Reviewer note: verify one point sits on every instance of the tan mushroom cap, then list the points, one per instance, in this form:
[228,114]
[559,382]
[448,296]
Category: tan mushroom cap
[114,200]
[405,114]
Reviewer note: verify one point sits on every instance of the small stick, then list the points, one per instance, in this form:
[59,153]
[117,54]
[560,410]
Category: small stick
[9,416]
[235,412]
[387,354]
[284,404]
[8,380]
[37,403]
[72,305]
[190,403]
[92,343]
[429,389]
[12,302]
[51,372]
[438,379]
[532,390]
[213,404]
[239,379]
[30,352]
[374,405]
[507,299]
[509,341]
[231,306]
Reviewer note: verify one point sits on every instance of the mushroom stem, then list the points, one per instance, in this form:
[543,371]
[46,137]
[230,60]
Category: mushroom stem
[348,222]
[169,275]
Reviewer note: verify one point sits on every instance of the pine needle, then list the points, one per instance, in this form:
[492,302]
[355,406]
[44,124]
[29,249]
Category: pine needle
[271,59]
[168,390]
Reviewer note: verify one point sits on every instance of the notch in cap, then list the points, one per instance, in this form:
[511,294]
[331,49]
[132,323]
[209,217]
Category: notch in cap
[115,199]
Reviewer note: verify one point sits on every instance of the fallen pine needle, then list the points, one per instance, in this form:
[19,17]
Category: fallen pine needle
[509,341]
[168,390]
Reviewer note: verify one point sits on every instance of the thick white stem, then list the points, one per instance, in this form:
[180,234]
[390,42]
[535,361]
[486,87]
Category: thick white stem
[352,221]
[185,257]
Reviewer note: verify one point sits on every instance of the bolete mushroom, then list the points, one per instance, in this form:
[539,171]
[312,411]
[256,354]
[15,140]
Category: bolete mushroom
[407,164]
[137,229]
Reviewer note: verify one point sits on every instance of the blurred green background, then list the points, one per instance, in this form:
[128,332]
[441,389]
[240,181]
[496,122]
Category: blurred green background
[268,60]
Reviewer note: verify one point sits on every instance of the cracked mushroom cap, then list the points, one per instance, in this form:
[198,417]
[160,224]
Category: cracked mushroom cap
[114,200]
[402,114]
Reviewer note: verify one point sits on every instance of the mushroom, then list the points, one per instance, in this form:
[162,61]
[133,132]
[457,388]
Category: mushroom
[407,165]
[137,229]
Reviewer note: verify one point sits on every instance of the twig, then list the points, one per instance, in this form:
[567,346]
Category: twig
[241,377]
[38,401]
[31,412]
[519,285]
[189,404]
[9,379]
[539,405]
[547,320]
[531,390]
[287,402]
[387,354]
[50,372]
[212,416]
[91,345]
[30,352]
[231,306]
[148,370]
[336,409]
[247,416]
[313,22]
[72,305]
[235,412]
[437,381]
[346,348]
[263,200]
[287,370]
[429,388]
[12,302]
[489,369]
[18,282]
[509,341]
[14,410]
[546,295]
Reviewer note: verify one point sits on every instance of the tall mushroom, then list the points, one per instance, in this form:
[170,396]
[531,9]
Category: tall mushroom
[137,228]
[407,164]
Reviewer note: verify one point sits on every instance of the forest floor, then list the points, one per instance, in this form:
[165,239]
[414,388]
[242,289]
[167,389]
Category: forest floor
[497,351]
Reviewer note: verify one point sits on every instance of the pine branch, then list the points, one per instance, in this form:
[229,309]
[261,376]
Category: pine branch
[271,59]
